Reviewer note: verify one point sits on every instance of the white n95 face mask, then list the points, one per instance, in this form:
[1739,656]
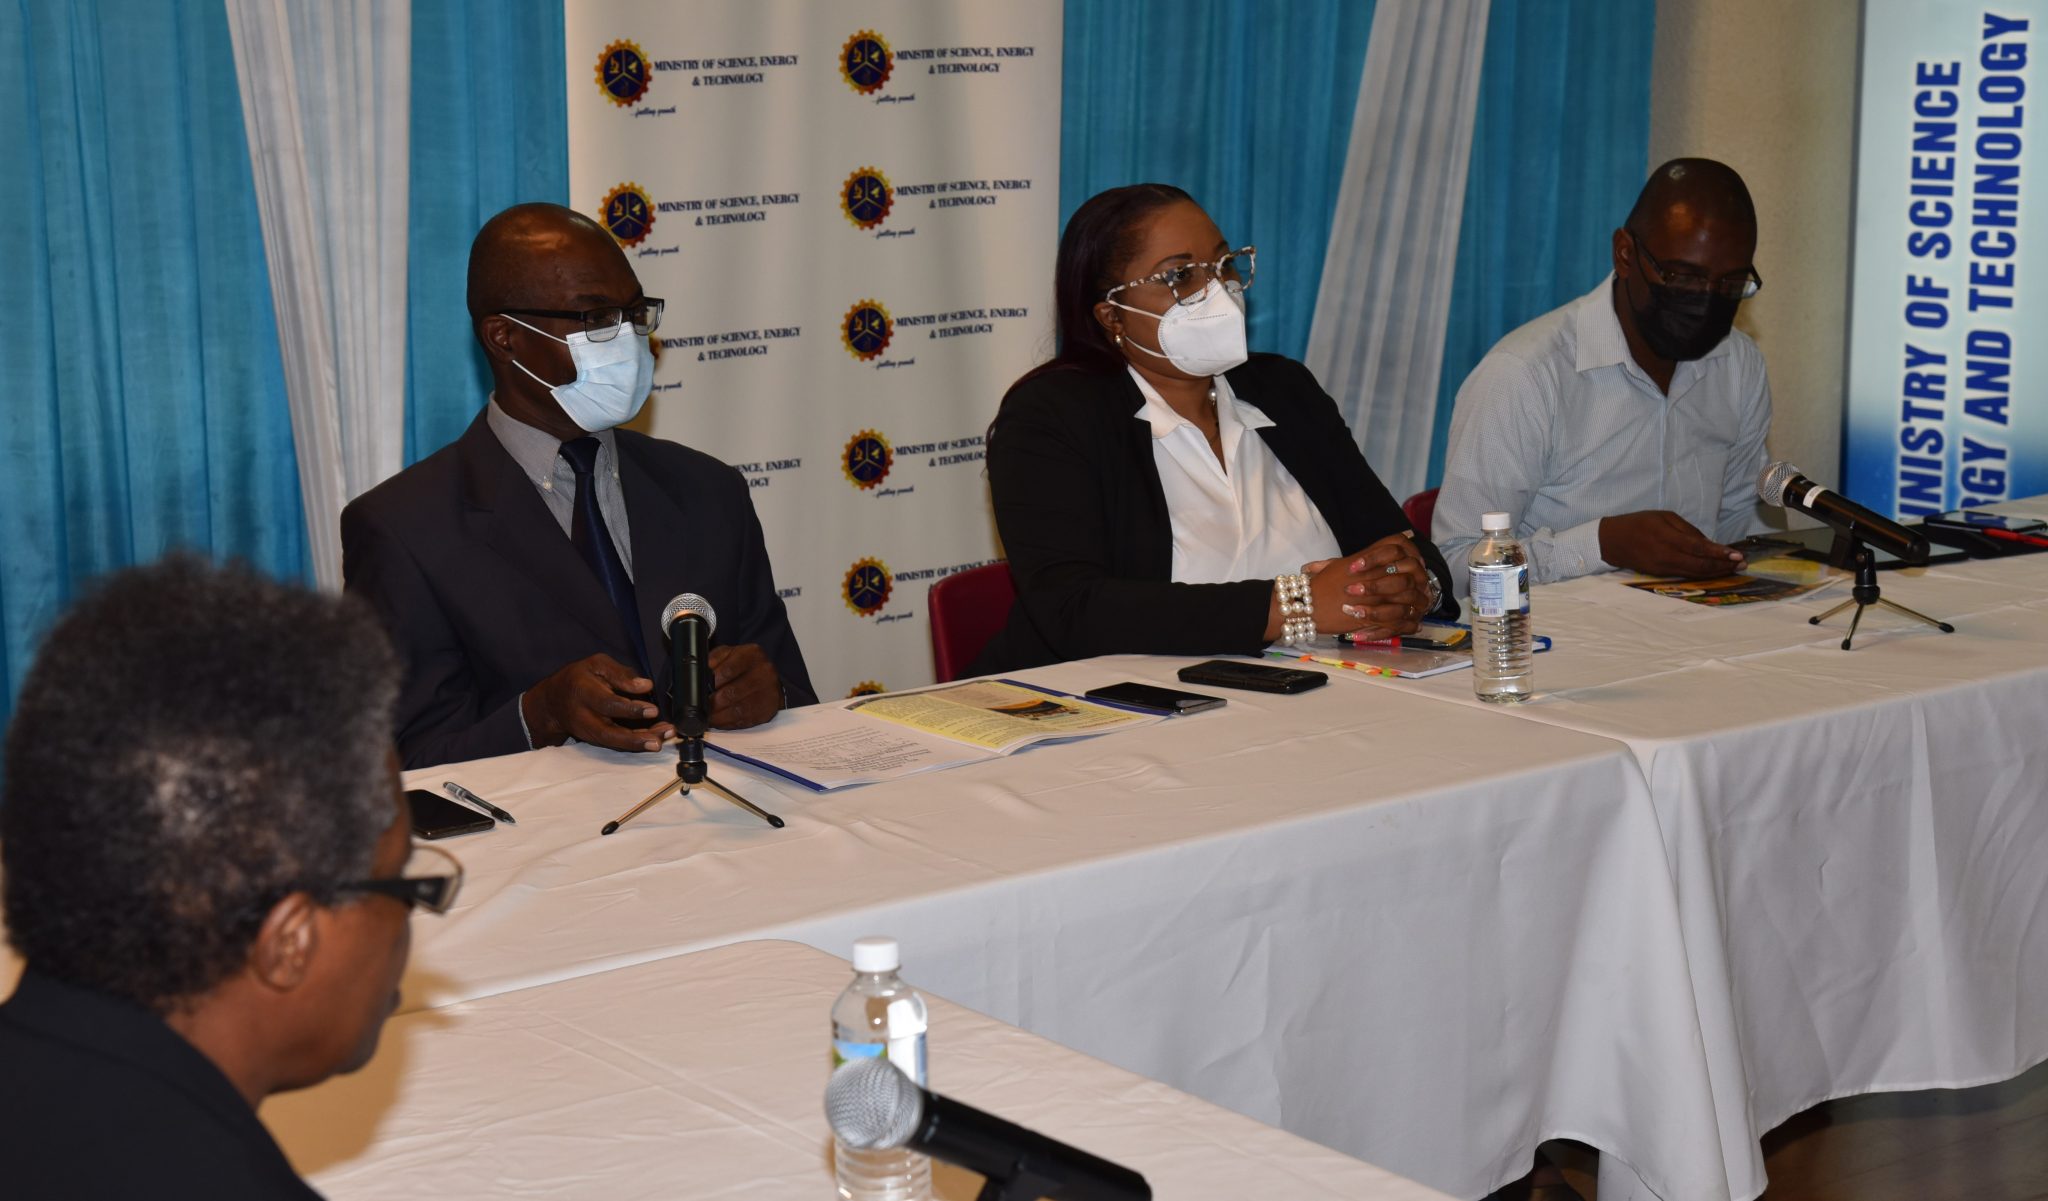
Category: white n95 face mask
[612,377]
[1203,338]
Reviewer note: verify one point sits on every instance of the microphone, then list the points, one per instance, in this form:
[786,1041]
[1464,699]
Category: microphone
[1783,486]
[688,620]
[873,1106]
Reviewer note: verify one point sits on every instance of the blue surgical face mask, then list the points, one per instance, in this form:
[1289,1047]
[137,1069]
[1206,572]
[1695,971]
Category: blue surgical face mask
[612,377]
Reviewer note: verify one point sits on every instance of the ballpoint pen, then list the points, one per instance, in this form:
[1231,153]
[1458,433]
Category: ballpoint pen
[463,794]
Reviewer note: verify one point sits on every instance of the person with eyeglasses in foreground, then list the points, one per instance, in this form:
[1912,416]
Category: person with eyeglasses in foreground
[522,570]
[1626,429]
[209,889]
[1161,490]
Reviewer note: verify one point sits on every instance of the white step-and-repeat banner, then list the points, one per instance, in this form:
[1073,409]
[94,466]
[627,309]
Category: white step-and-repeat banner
[1948,343]
[852,213]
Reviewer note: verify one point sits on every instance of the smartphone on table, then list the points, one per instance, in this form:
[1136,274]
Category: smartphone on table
[1154,699]
[1257,677]
[435,816]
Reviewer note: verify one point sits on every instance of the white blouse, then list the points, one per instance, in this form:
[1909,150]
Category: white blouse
[1251,522]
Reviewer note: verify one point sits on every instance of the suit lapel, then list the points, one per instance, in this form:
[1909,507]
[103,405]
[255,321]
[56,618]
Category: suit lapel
[503,511]
[1157,542]
[1296,453]
[662,564]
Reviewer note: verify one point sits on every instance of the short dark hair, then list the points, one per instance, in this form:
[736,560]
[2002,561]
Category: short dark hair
[501,272]
[193,743]
[1705,184]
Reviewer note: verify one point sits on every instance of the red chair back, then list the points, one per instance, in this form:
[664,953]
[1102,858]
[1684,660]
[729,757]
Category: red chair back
[968,607]
[1421,509]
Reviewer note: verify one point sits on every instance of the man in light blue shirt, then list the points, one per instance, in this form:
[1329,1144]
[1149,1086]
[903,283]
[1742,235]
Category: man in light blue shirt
[1626,429]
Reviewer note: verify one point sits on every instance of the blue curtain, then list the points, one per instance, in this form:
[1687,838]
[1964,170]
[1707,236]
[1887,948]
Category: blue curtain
[1246,106]
[490,129]
[145,394]
[1560,148]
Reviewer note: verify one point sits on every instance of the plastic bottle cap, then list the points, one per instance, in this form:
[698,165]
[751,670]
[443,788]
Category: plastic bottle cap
[876,955]
[1492,522]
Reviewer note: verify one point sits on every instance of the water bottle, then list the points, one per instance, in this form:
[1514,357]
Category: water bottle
[1500,615]
[879,1016]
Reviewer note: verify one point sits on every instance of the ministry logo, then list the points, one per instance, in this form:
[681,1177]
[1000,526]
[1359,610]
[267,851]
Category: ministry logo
[629,213]
[866,330]
[865,62]
[624,73]
[866,460]
[866,198]
[866,587]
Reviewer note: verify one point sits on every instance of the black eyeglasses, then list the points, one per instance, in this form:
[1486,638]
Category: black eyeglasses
[604,324]
[430,880]
[1735,287]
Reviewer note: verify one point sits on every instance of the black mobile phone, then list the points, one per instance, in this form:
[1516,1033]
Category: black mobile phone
[1258,677]
[1153,698]
[435,816]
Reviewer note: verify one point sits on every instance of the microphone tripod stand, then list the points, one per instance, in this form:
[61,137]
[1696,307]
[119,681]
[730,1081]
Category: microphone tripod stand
[690,770]
[1849,551]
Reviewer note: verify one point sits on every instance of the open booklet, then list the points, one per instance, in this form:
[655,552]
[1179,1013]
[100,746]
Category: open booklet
[871,738]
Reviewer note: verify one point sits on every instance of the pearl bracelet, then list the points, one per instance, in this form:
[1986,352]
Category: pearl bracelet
[1293,594]
[1297,628]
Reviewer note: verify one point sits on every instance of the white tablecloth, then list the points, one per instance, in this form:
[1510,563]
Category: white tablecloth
[1423,931]
[702,1076]
[1421,934]
[1859,839]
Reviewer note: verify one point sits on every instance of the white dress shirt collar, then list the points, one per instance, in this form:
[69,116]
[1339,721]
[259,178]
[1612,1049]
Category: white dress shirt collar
[1232,416]
[1602,344]
[1248,521]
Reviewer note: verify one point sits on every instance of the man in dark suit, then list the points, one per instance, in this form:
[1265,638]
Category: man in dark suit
[211,903]
[523,570]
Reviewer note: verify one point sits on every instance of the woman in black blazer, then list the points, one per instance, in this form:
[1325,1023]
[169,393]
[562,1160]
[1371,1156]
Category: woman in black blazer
[1150,318]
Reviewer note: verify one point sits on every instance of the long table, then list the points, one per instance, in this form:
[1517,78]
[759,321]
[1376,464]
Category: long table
[1720,870]
[703,1076]
[1858,840]
[1421,934]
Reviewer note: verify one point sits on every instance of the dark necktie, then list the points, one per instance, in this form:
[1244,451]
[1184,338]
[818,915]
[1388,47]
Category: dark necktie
[593,540]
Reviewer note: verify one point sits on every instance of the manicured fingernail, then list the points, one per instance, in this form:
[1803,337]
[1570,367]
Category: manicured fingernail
[650,746]
[1359,565]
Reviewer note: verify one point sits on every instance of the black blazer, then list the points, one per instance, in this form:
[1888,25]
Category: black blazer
[484,596]
[1083,518]
[100,1099]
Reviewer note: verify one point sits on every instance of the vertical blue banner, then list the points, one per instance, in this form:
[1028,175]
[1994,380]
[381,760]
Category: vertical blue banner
[1948,337]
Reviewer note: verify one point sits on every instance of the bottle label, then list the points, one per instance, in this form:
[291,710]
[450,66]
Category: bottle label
[907,1053]
[1499,591]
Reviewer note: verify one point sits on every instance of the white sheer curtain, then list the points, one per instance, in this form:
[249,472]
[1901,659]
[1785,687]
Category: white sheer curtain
[1377,342]
[326,92]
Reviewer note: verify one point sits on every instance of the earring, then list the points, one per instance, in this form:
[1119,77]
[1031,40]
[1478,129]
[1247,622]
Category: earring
[1119,339]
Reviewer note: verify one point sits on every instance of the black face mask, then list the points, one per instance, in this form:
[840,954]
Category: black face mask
[1680,326]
